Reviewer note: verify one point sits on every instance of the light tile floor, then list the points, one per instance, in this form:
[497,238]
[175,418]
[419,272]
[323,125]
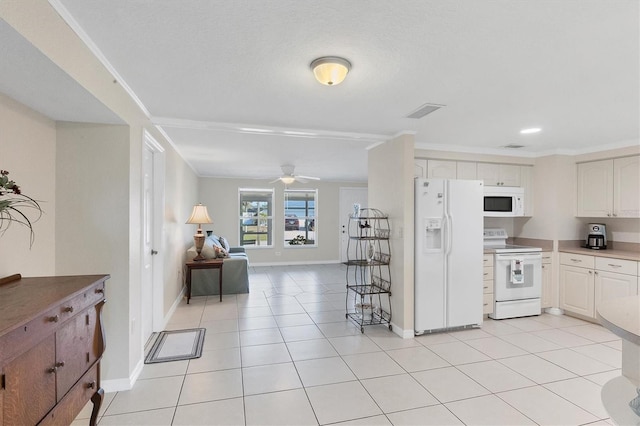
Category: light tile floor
[285,355]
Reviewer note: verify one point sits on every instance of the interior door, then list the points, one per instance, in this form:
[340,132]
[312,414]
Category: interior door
[148,250]
[348,197]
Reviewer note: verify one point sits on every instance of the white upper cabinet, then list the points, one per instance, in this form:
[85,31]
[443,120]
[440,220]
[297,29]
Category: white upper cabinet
[499,174]
[626,187]
[419,168]
[466,170]
[441,169]
[609,188]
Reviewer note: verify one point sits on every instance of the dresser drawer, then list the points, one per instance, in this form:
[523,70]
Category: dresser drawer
[487,287]
[579,260]
[620,266]
[487,260]
[546,257]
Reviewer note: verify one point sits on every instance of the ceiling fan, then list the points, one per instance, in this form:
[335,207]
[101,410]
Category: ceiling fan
[288,177]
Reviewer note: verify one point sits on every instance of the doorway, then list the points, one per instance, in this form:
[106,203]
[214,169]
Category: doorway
[348,197]
[152,288]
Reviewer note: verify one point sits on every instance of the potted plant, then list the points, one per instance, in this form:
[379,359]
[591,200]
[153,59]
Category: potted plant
[14,206]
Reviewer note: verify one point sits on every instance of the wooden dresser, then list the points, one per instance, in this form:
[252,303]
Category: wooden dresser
[51,343]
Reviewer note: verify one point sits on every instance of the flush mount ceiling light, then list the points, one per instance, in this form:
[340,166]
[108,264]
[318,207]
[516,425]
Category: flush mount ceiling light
[530,130]
[330,70]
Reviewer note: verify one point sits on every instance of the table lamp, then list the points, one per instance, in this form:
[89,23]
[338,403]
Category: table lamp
[199,215]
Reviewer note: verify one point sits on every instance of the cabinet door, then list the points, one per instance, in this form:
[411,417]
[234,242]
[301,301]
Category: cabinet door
[546,285]
[499,174]
[440,169]
[30,385]
[466,170]
[595,189]
[74,344]
[609,285]
[626,187]
[489,173]
[509,175]
[577,290]
[419,168]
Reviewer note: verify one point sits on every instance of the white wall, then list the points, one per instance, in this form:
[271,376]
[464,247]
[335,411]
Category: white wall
[92,223]
[391,191]
[221,198]
[27,151]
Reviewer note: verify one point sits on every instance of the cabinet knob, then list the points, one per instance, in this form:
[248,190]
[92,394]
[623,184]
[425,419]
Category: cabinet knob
[68,309]
[91,385]
[54,318]
[60,364]
[52,370]
[590,272]
[99,290]
[596,272]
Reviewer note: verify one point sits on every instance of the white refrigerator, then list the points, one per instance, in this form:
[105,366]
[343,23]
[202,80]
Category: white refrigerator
[448,254]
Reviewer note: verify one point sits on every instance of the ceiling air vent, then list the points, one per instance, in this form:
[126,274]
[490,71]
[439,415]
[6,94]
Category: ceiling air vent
[513,146]
[424,110]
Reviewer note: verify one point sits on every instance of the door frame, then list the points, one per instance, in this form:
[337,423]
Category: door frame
[157,299]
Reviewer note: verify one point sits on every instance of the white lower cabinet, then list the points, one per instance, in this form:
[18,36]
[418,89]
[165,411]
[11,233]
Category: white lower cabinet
[577,290]
[547,281]
[487,282]
[587,281]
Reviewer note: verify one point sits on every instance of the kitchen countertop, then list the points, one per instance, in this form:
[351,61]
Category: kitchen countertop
[613,253]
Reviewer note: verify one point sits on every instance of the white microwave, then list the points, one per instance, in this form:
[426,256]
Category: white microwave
[503,201]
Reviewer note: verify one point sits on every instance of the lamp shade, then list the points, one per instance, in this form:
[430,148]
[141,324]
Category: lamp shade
[330,70]
[199,215]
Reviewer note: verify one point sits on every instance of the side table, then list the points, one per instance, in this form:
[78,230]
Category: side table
[203,264]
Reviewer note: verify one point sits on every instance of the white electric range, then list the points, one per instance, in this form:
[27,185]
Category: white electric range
[517,272]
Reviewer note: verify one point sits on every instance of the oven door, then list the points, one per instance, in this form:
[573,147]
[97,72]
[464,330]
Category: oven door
[518,276]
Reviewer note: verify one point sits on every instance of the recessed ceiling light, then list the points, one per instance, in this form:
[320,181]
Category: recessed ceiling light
[530,130]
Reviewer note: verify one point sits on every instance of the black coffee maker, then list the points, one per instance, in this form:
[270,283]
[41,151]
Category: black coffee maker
[596,236]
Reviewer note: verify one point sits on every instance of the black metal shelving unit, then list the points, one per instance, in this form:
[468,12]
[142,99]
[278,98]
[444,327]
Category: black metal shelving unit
[368,272]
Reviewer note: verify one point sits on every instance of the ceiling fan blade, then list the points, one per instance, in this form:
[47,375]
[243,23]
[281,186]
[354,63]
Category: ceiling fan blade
[274,181]
[307,177]
[301,179]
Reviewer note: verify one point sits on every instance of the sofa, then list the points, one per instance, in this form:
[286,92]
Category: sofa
[235,269]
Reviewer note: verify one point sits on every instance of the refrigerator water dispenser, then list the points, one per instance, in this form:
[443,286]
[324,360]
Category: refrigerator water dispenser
[433,233]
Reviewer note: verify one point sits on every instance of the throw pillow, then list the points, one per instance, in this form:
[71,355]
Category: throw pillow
[224,242]
[220,252]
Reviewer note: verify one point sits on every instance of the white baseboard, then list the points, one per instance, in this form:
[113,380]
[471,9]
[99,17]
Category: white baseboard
[291,263]
[117,385]
[405,334]
[173,308]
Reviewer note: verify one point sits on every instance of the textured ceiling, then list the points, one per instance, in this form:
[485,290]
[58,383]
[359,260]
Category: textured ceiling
[205,69]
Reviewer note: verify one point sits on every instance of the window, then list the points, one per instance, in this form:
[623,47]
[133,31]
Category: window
[256,217]
[300,220]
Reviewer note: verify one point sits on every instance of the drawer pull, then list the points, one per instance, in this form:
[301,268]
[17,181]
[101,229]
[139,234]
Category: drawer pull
[614,265]
[486,304]
[486,273]
[68,309]
[576,260]
[54,318]
[91,385]
[590,272]
[52,370]
[99,290]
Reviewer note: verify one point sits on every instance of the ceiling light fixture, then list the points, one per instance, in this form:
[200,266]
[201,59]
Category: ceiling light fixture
[529,131]
[330,70]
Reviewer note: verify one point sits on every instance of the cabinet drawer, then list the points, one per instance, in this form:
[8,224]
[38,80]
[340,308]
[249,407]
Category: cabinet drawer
[487,287]
[579,260]
[487,260]
[546,257]
[487,273]
[73,402]
[487,303]
[619,266]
